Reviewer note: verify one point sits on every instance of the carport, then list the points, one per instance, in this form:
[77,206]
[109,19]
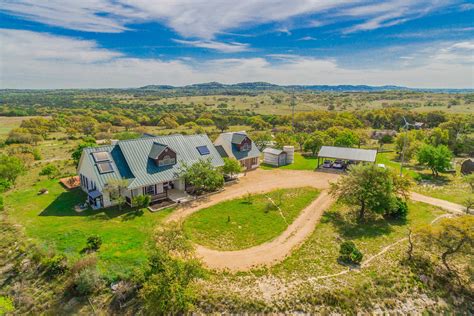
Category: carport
[346,153]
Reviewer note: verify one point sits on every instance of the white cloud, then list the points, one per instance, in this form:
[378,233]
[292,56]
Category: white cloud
[232,47]
[38,60]
[205,19]
[307,38]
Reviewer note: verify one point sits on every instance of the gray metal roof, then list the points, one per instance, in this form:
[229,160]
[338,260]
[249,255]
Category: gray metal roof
[156,150]
[131,158]
[237,138]
[348,153]
[272,151]
[225,140]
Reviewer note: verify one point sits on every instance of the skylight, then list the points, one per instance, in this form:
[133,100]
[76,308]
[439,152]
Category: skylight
[203,150]
[101,156]
[105,167]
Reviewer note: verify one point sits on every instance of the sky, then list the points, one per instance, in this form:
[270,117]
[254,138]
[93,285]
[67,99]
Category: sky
[132,43]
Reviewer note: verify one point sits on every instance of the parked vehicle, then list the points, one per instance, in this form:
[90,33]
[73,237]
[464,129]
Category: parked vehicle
[338,164]
[327,164]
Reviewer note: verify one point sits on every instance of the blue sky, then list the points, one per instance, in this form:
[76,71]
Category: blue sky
[129,43]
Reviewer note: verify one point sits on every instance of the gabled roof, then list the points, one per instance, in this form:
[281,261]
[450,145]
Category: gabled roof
[238,137]
[133,162]
[156,150]
[273,151]
[119,164]
[225,140]
[348,153]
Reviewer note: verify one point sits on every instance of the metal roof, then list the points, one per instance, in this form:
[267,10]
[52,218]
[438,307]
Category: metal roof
[348,153]
[131,158]
[237,138]
[273,151]
[156,149]
[225,140]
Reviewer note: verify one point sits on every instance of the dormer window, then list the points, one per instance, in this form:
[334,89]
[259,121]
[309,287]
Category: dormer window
[166,161]
[162,155]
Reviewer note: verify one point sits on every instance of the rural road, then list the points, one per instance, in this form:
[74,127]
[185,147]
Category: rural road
[273,251]
[445,205]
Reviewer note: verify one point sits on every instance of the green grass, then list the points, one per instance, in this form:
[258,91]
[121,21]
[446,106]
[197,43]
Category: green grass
[301,163]
[250,222]
[318,255]
[52,222]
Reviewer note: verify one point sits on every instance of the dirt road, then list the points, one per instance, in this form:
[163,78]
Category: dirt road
[448,206]
[259,181]
[268,253]
[272,251]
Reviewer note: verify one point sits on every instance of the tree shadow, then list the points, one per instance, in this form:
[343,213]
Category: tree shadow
[65,202]
[351,229]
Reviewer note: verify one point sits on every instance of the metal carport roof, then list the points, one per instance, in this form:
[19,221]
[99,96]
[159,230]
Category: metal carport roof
[346,153]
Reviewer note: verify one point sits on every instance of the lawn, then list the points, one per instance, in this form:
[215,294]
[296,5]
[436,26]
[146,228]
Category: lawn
[301,163]
[243,223]
[51,221]
[318,255]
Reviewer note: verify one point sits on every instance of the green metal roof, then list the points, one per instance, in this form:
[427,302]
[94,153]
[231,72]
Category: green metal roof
[131,158]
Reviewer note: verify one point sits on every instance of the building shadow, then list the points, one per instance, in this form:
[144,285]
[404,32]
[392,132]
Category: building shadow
[65,203]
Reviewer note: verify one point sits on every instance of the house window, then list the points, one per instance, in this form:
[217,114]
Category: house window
[150,190]
[166,161]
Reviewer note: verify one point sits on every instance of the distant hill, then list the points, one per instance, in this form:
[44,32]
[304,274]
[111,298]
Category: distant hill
[262,86]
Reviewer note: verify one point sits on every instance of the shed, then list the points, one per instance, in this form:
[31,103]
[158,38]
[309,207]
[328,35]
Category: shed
[274,157]
[467,166]
[346,153]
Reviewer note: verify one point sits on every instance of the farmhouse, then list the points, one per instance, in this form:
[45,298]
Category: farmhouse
[344,156]
[239,146]
[149,165]
[278,157]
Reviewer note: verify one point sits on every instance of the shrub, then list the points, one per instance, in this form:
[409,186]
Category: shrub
[2,207]
[93,243]
[49,170]
[5,184]
[399,210]
[37,154]
[55,265]
[87,281]
[349,253]
[141,201]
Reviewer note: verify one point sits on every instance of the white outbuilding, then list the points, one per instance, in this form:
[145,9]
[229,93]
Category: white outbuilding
[277,157]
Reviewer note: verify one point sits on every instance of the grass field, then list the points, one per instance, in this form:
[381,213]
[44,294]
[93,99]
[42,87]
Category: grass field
[301,163]
[7,123]
[251,222]
[318,255]
[52,222]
